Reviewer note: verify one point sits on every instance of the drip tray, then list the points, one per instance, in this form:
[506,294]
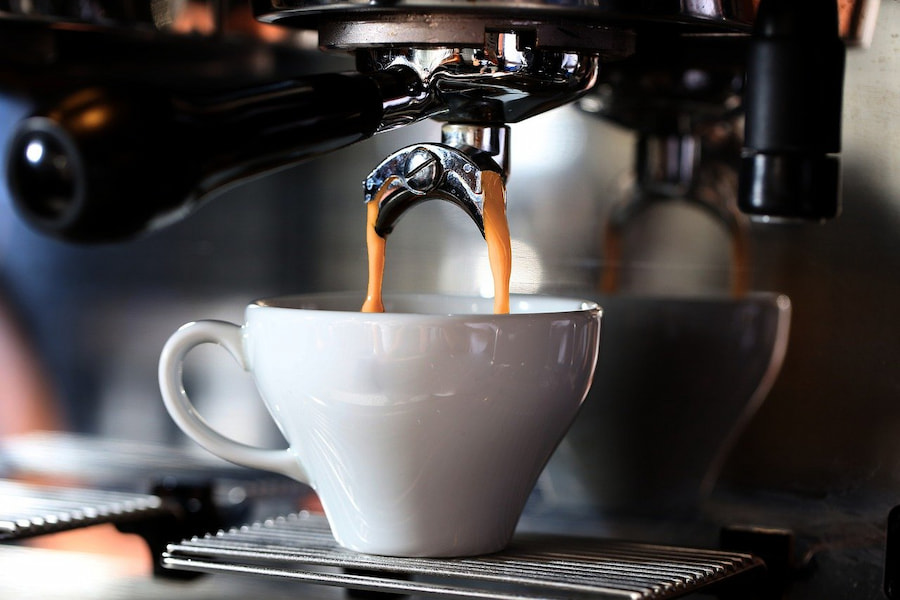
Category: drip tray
[301,547]
[30,510]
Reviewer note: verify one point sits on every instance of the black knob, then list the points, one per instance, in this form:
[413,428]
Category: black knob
[99,165]
[44,172]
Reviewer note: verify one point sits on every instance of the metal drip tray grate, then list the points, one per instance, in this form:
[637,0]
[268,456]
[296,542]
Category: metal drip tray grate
[301,547]
[29,510]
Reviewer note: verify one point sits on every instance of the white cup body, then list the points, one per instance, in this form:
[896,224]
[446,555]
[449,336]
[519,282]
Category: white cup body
[423,429]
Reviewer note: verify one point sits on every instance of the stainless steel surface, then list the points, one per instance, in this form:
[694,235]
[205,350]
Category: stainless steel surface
[214,18]
[497,80]
[698,13]
[30,510]
[858,17]
[301,547]
[487,140]
[480,31]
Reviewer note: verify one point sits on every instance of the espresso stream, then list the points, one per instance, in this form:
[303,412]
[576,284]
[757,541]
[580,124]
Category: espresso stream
[496,234]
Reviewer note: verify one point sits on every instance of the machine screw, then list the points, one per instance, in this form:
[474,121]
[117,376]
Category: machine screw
[423,170]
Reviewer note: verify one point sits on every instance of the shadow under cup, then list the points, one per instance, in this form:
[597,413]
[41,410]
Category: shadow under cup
[423,429]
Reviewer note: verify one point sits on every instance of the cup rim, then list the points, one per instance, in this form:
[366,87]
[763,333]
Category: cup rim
[520,301]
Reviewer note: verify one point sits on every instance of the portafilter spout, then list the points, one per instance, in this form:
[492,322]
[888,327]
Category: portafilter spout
[451,171]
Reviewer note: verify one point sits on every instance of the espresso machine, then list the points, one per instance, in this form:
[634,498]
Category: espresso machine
[174,158]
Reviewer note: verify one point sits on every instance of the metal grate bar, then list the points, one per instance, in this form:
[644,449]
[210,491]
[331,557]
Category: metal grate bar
[534,566]
[29,510]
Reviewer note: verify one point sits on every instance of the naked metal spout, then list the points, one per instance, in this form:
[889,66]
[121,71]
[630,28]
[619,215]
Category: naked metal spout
[430,171]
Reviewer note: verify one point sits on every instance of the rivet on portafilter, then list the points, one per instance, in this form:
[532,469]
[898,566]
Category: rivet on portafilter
[448,171]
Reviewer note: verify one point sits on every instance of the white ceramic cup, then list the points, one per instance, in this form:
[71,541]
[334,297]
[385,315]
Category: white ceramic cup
[423,429]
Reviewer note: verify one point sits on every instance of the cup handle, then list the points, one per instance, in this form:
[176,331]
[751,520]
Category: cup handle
[189,420]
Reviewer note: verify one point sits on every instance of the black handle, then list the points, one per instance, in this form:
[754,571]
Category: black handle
[105,163]
[793,101]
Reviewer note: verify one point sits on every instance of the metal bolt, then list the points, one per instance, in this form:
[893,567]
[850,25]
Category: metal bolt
[423,170]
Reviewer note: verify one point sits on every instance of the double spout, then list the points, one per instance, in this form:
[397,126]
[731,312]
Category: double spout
[466,174]
[450,171]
